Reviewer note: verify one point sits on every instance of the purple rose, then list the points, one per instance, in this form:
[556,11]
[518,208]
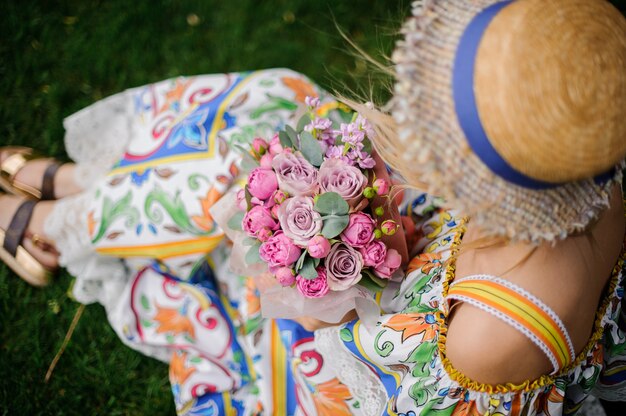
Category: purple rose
[392,262]
[343,267]
[298,220]
[373,253]
[360,230]
[295,174]
[262,183]
[337,176]
[313,288]
[318,247]
[257,219]
[279,251]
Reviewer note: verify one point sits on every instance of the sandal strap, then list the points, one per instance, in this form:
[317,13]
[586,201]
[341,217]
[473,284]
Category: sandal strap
[47,184]
[12,164]
[15,233]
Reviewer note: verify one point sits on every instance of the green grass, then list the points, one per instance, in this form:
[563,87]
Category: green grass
[59,56]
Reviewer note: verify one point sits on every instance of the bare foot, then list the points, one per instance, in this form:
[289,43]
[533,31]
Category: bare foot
[8,206]
[32,175]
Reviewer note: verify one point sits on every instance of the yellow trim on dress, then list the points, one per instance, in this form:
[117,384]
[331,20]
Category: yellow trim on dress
[528,385]
[164,250]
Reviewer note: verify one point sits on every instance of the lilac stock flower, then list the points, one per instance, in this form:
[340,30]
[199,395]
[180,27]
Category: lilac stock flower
[343,267]
[312,102]
[295,174]
[351,134]
[298,220]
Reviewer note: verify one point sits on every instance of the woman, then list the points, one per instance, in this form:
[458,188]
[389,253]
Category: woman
[513,112]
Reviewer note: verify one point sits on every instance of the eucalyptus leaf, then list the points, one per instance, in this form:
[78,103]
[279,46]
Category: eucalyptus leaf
[333,226]
[331,203]
[293,136]
[252,256]
[300,261]
[248,198]
[248,162]
[311,149]
[304,120]
[285,141]
[308,269]
[249,241]
[234,223]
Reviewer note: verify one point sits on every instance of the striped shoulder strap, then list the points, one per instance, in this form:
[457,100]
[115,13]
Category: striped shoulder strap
[521,310]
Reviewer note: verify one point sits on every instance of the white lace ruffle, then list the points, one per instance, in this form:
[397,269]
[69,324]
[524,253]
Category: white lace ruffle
[365,386]
[98,278]
[96,136]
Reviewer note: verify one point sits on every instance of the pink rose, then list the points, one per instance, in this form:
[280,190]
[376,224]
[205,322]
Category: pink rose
[343,267]
[262,183]
[266,161]
[275,146]
[337,176]
[373,253]
[279,251]
[313,288]
[381,186]
[295,174]
[285,276]
[257,219]
[318,247]
[298,220]
[360,230]
[259,146]
[241,200]
[392,262]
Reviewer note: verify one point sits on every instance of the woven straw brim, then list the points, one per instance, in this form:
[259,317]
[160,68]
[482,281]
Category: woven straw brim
[436,150]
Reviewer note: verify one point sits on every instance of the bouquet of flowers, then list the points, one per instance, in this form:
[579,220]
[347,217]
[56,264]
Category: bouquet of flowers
[313,209]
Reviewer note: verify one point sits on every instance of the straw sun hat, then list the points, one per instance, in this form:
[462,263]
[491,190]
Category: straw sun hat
[514,111]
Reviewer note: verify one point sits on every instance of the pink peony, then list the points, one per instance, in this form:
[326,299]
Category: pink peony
[295,174]
[338,176]
[373,253]
[392,262]
[266,161]
[259,146]
[360,230]
[241,200]
[318,247]
[381,186]
[257,219]
[285,276]
[343,266]
[262,183]
[313,288]
[279,251]
[298,220]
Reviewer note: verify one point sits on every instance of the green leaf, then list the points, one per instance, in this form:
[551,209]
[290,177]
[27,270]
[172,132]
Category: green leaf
[285,141]
[249,241]
[334,225]
[248,198]
[367,283]
[252,256]
[304,120]
[300,261]
[293,136]
[311,148]
[145,303]
[248,162]
[367,146]
[331,203]
[377,280]
[234,223]
[308,269]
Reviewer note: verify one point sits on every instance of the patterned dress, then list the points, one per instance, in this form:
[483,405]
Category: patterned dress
[141,241]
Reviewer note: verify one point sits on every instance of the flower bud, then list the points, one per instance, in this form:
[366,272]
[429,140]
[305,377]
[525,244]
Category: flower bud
[274,211]
[275,146]
[378,233]
[389,227]
[369,192]
[259,146]
[312,102]
[381,186]
[280,196]
[266,161]
[379,211]
[318,247]
[285,276]
[241,200]
[264,234]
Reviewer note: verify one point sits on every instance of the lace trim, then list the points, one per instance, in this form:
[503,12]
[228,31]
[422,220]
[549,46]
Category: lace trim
[528,385]
[363,384]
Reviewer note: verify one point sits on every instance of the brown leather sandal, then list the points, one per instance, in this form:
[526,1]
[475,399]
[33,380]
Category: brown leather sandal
[15,255]
[17,159]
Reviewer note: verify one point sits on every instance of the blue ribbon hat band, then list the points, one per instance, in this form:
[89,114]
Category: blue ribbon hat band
[467,110]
